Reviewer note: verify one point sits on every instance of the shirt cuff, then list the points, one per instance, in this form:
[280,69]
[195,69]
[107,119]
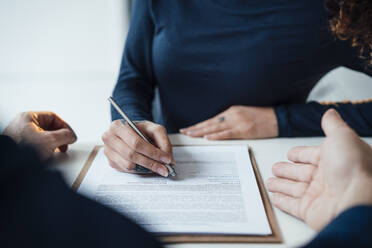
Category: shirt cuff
[282,118]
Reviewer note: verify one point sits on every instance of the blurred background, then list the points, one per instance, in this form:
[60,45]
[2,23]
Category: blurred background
[71,51]
[44,38]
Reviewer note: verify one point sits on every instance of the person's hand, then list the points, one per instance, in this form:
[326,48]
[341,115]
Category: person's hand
[324,180]
[124,148]
[237,122]
[44,130]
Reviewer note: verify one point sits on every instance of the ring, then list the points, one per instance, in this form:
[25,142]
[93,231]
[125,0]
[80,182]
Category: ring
[221,119]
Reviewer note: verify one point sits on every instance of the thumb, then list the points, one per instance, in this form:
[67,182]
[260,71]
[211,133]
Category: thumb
[334,125]
[60,138]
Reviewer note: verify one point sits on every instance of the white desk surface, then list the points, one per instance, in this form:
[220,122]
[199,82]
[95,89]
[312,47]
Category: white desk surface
[83,103]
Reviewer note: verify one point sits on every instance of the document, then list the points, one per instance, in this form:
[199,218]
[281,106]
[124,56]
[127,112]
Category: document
[215,192]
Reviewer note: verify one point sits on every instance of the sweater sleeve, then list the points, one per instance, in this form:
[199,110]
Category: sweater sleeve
[38,206]
[351,228]
[305,119]
[134,90]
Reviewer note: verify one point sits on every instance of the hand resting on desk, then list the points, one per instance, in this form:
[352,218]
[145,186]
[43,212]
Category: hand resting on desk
[323,181]
[237,122]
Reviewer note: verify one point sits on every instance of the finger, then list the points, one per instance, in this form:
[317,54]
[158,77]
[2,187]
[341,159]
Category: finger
[117,162]
[286,203]
[50,121]
[333,124]
[135,142]
[63,148]
[227,134]
[305,154]
[117,167]
[287,187]
[202,124]
[210,129]
[160,138]
[58,123]
[59,137]
[128,154]
[297,172]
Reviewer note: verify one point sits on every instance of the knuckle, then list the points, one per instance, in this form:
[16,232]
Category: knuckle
[156,154]
[160,128]
[153,166]
[105,136]
[131,155]
[116,124]
[137,144]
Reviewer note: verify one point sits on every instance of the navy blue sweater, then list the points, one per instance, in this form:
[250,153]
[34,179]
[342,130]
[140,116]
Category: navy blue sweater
[201,57]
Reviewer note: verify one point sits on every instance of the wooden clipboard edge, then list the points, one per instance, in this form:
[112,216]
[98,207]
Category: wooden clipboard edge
[275,237]
[266,201]
[75,186]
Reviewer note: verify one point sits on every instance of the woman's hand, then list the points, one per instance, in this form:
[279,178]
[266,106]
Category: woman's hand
[323,181]
[45,130]
[237,122]
[124,148]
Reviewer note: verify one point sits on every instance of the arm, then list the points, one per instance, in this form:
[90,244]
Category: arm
[304,119]
[134,90]
[328,183]
[38,207]
[351,228]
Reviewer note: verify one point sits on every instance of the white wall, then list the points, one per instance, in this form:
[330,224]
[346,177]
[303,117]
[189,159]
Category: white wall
[63,56]
[43,39]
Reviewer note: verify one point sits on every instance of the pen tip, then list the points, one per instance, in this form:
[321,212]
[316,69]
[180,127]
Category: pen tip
[173,174]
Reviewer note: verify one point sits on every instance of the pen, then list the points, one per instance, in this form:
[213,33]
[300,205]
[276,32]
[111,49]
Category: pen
[171,171]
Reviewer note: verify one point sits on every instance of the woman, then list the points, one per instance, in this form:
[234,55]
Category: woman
[257,59]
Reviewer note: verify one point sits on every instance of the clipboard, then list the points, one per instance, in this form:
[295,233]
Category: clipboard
[274,237]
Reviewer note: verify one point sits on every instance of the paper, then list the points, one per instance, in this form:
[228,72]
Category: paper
[215,192]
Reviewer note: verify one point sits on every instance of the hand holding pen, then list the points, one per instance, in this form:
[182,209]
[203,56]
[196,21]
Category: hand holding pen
[128,146]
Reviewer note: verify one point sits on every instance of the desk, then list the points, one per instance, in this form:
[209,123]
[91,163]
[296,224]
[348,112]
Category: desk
[83,103]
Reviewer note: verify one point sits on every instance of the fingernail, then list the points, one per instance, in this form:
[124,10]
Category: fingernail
[162,171]
[182,130]
[165,160]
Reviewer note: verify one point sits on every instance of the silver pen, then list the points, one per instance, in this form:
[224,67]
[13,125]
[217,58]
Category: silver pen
[171,171]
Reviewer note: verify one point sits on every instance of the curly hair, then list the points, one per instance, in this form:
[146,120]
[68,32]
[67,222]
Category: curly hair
[352,20]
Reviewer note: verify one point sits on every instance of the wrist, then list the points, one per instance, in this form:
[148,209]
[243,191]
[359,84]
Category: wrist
[358,193]
[269,124]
